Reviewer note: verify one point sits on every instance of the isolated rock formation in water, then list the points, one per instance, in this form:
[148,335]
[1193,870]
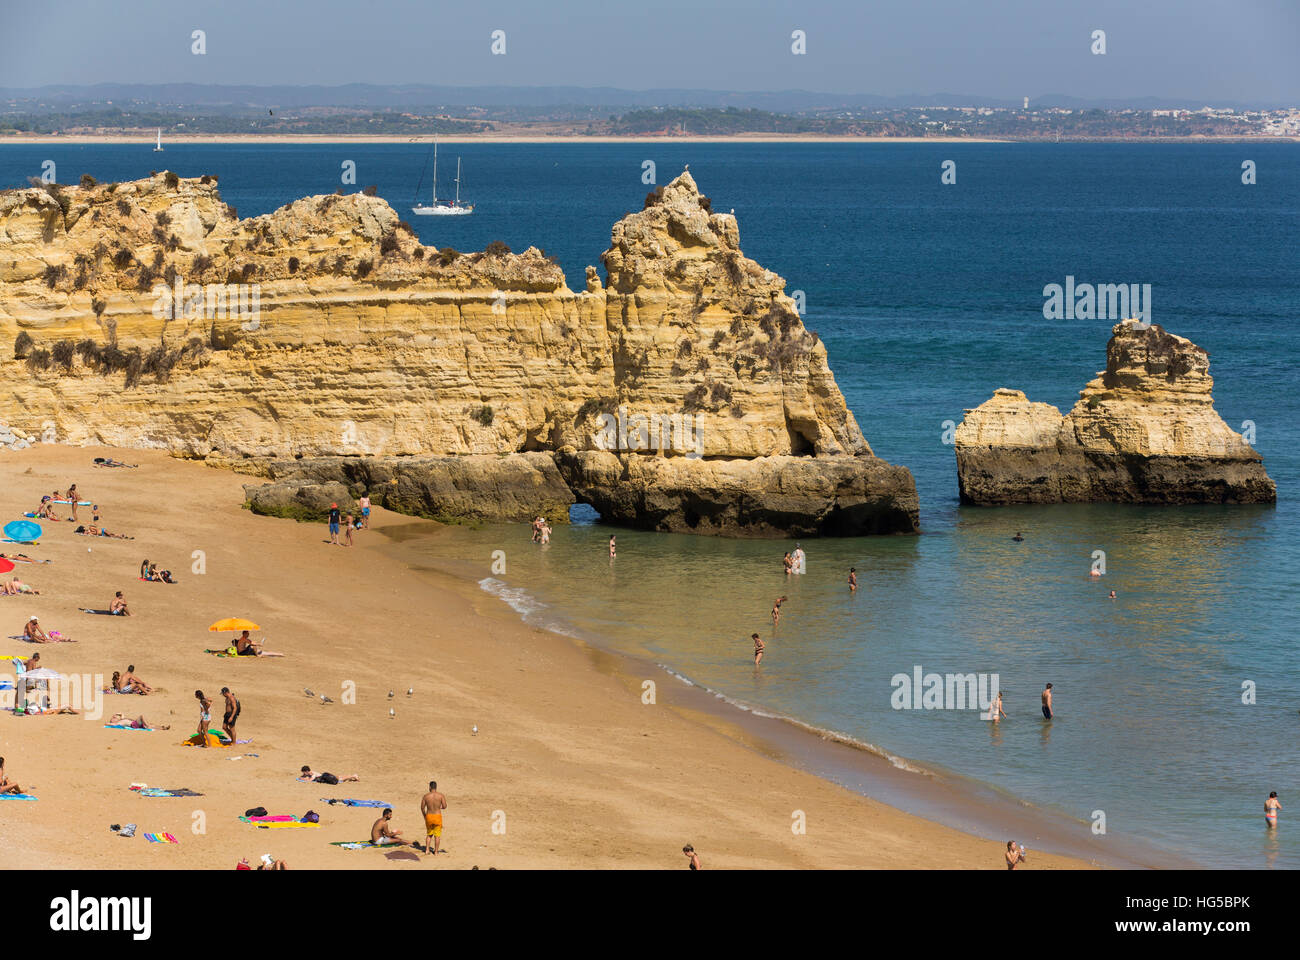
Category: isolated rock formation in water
[1144,431]
[323,347]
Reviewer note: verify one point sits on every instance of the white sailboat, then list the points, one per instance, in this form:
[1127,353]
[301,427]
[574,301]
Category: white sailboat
[443,208]
[158,147]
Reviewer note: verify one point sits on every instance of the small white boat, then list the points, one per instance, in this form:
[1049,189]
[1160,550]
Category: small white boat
[443,208]
[158,147]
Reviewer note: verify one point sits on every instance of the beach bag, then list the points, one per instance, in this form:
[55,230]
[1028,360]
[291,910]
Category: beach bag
[328,778]
[256,812]
[311,816]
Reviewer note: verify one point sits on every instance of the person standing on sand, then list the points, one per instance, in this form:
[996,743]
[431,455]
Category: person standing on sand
[1271,806]
[365,510]
[692,858]
[334,524]
[205,716]
[431,805]
[347,528]
[1014,856]
[758,649]
[381,831]
[853,579]
[231,715]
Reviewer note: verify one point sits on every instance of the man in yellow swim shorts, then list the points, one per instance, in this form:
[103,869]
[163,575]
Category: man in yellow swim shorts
[431,805]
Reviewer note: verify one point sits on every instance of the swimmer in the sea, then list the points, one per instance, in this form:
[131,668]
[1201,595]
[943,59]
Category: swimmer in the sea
[853,579]
[776,610]
[758,649]
[1112,595]
[1017,537]
[1047,702]
[1271,806]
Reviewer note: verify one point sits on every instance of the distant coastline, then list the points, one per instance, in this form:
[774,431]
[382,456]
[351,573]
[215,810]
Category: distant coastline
[48,139]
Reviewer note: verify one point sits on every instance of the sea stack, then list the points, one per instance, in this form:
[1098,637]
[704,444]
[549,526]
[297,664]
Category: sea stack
[323,348]
[1144,431]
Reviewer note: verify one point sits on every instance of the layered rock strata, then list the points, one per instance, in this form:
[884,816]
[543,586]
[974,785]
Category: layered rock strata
[323,344]
[1144,431]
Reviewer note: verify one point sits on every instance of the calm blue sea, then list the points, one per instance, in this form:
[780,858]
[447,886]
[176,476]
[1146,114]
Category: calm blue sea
[929,296]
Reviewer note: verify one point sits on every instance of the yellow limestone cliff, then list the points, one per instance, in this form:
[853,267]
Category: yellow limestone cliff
[322,346]
[1144,431]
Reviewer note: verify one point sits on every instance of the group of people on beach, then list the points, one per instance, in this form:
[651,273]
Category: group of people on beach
[346,522]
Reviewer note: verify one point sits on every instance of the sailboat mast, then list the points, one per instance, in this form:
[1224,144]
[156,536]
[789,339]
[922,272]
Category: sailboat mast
[458,181]
[435,169]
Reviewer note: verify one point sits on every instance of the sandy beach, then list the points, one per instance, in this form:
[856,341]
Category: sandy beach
[569,767]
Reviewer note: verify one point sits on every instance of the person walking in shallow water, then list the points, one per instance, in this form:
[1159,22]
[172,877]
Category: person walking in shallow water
[758,649]
[1271,806]
[1047,702]
[776,610]
[853,579]
[612,549]
[788,562]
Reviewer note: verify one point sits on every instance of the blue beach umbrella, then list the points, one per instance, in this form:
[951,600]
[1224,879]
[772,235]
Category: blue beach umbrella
[23,531]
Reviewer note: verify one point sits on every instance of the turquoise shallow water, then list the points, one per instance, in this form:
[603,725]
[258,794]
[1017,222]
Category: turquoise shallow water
[928,297]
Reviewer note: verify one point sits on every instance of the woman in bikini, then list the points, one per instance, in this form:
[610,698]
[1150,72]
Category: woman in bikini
[205,716]
[788,562]
[1271,806]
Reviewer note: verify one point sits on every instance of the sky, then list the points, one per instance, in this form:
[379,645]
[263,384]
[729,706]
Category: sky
[1243,50]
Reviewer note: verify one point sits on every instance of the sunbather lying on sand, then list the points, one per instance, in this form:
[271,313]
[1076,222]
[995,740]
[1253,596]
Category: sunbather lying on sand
[20,558]
[309,776]
[139,723]
[90,530]
[12,588]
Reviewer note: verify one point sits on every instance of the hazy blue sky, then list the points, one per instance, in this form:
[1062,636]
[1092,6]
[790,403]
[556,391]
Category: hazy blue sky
[1220,49]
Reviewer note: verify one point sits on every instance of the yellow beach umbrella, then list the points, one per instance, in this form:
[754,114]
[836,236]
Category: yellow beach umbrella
[233,625]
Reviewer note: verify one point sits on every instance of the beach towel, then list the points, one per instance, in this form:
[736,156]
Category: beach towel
[224,653]
[125,726]
[16,796]
[159,792]
[357,803]
[160,838]
[215,739]
[270,818]
[295,823]
[80,503]
[102,613]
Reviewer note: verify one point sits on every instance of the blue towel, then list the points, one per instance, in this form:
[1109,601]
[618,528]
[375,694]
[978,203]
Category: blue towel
[357,803]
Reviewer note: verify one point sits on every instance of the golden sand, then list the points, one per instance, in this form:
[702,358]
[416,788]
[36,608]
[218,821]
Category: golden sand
[568,768]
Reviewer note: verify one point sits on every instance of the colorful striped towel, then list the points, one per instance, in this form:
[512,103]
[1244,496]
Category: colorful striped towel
[292,823]
[160,792]
[160,838]
[274,818]
[359,844]
[17,796]
[124,726]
